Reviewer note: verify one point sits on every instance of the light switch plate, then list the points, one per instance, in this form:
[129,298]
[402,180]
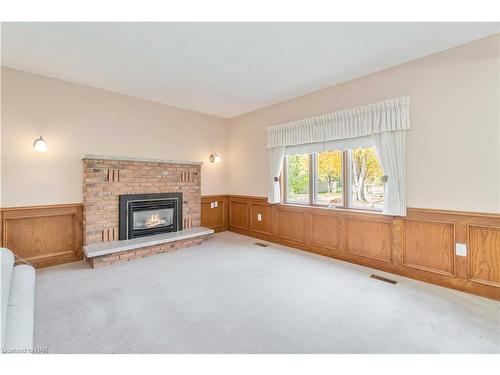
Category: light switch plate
[216,204]
[259,217]
[211,204]
[461,249]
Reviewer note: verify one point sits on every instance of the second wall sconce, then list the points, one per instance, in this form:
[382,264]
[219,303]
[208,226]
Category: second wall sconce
[214,158]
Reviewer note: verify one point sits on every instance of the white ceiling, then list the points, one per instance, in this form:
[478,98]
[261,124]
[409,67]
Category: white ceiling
[224,69]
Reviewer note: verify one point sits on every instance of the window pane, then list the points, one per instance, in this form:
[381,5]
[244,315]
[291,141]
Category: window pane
[367,185]
[298,178]
[329,178]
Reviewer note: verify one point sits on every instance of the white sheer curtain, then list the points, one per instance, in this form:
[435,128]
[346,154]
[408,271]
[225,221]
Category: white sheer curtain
[390,148]
[276,156]
[385,123]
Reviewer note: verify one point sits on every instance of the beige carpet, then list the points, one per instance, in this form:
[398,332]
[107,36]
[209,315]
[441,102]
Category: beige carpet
[230,296]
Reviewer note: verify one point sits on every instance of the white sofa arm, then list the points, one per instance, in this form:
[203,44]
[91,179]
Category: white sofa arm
[20,312]
[18,303]
[6,269]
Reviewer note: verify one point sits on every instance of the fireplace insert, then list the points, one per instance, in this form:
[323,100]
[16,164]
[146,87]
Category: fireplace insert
[147,214]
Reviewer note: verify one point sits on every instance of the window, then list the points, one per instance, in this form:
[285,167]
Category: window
[346,179]
[367,188]
[297,179]
[329,182]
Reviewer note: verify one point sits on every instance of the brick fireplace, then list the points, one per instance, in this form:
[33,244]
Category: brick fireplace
[105,179]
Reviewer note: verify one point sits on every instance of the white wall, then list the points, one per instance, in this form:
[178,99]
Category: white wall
[77,120]
[453,152]
[453,157]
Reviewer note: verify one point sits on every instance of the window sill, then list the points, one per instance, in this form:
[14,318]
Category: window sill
[339,209]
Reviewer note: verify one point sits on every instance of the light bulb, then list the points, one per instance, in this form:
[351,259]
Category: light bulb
[40,145]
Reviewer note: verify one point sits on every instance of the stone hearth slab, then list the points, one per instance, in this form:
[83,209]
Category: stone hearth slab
[112,247]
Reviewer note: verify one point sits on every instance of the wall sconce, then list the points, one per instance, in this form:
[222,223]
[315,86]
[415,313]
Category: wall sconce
[40,145]
[214,158]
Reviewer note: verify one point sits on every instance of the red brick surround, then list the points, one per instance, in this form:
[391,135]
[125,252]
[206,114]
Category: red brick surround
[125,256]
[105,179]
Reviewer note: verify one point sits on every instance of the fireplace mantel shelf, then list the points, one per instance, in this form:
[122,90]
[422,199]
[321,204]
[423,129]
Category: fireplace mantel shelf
[136,243]
[145,160]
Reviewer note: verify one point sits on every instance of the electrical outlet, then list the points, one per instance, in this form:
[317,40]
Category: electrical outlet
[211,204]
[216,204]
[461,249]
[259,217]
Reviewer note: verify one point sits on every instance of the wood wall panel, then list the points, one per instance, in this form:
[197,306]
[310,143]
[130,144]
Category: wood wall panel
[239,214]
[429,246]
[420,246]
[34,237]
[324,231]
[44,235]
[484,255]
[214,217]
[291,225]
[369,238]
[265,226]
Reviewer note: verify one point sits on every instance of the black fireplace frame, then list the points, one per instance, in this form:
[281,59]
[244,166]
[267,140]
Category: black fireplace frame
[127,199]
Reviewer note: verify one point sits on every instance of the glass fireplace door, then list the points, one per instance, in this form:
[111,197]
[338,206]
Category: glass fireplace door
[155,218]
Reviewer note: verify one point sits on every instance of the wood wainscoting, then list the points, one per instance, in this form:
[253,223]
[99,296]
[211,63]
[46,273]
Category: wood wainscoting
[43,235]
[214,212]
[420,246]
